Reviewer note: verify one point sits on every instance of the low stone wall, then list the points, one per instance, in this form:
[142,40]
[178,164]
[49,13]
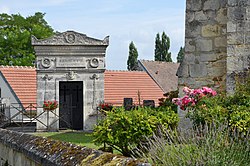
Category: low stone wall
[19,149]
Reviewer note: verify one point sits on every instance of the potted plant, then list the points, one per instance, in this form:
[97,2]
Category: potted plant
[50,105]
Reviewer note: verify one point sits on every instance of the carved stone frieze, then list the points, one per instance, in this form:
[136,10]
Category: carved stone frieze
[71,75]
[63,62]
[45,63]
[94,62]
[70,38]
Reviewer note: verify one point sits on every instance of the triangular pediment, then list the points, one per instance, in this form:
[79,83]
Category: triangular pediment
[69,38]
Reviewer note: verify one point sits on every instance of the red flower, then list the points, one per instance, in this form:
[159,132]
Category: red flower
[49,105]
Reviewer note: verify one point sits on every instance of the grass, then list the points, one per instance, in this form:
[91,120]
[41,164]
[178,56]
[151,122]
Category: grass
[74,137]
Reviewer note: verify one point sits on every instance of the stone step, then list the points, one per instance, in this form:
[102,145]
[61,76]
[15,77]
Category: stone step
[26,129]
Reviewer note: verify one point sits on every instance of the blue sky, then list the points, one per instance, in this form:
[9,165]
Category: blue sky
[123,20]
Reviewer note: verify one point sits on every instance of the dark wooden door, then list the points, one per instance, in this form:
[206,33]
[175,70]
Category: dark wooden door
[71,105]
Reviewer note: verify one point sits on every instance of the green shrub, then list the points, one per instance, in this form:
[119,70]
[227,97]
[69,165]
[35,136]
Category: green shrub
[217,110]
[234,109]
[207,111]
[125,129]
[167,101]
[240,118]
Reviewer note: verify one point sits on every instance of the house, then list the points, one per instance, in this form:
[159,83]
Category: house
[18,88]
[137,85]
[163,73]
[19,84]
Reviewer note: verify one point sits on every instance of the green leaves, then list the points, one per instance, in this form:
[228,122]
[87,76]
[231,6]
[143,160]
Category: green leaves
[132,58]
[235,109]
[162,46]
[15,37]
[121,128]
[180,55]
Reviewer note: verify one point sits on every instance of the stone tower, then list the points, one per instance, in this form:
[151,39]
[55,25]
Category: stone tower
[70,69]
[217,43]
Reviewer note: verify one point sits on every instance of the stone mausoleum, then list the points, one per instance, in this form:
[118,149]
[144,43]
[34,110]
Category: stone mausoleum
[70,69]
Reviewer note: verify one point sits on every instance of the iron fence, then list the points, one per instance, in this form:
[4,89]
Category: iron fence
[26,114]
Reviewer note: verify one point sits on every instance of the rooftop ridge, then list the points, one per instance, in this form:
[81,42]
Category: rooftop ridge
[143,60]
[125,71]
[18,67]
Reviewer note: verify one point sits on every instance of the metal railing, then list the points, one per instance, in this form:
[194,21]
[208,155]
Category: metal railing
[26,114]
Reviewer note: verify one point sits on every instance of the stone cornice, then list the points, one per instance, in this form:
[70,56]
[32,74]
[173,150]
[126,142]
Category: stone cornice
[70,38]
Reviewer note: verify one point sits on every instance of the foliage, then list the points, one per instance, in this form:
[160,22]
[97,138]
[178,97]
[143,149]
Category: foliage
[50,105]
[132,63]
[234,109]
[15,37]
[121,129]
[205,146]
[167,101]
[180,55]
[162,46]
[192,97]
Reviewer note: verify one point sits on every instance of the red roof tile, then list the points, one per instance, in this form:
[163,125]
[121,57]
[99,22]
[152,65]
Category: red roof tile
[127,84]
[118,85]
[23,82]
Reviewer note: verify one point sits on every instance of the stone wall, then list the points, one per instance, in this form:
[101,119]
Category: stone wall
[217,44]
[19,149]
[205,44]
[238,41]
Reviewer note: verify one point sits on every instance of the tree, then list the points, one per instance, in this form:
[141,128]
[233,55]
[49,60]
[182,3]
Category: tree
[161,48]
[157,47]
[180,55]
[15,37]
[132,63]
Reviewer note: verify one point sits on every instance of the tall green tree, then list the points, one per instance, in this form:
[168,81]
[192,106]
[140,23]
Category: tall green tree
[132,63]
[157,47]
[162,46]
[180,55]
[15,37]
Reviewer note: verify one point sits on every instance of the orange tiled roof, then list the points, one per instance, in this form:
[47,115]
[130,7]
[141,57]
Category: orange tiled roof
[127,84]
[118,85]
[23,82]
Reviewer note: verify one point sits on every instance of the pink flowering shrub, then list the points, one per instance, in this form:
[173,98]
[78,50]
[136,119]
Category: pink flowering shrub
[193,96]
[200,107]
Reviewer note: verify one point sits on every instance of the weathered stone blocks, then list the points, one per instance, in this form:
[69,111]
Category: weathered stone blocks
[220,41]
[211,30]
[216,39]
[204,45]
[211,5]
[198,70]
[194,5]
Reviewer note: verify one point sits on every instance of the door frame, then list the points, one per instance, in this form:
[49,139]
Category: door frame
[83,98]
